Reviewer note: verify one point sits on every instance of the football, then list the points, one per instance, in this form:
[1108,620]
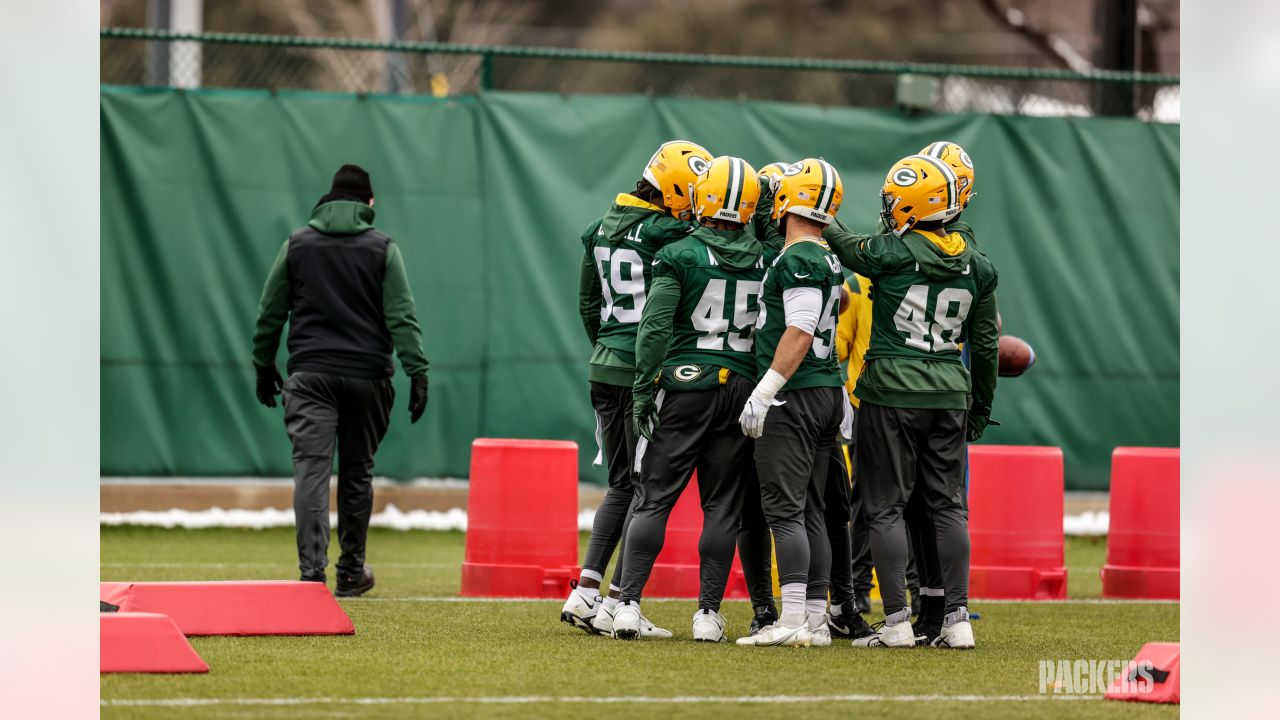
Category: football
[1016,356]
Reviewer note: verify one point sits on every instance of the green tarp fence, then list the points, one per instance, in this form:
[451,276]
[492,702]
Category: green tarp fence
[487,197]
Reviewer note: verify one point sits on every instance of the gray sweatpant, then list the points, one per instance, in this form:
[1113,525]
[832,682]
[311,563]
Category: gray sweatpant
[612,404]
[324,413]
[695,429]
[906,451]
[791,459]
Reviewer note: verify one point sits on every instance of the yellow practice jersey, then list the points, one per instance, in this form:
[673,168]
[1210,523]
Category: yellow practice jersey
[853,331]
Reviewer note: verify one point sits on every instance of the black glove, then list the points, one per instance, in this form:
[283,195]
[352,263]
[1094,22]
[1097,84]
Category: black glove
[269,385]
[417,397]
[644,417]
[977,424]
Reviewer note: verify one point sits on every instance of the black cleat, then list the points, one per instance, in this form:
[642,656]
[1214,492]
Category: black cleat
[354,585]
[926,633]
[840,623]
[765,615]
[862,600]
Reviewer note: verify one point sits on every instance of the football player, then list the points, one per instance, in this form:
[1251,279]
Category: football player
[797,407]
[613,286]
[934,291]
[694,371]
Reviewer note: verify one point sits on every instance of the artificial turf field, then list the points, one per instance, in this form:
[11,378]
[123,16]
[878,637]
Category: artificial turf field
[419,651]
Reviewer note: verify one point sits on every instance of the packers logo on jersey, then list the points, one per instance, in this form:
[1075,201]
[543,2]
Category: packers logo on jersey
[687,373]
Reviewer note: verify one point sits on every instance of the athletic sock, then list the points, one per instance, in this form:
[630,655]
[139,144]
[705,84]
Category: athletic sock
[590,575]
[901,616]
[793,605]
[932,605]
[960,614]
[816,612]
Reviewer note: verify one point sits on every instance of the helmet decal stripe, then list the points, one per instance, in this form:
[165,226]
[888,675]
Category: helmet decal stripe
[826,190]
[734,196]
[949,174]
[937,149]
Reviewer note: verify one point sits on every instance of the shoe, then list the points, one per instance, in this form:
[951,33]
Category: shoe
[821,636]
[862,601]
[958,635]
[926,633]
[765,615]
[580,609]
[776,635]
[892,636]
[626,621]
[649,630]
[839,623]
[354,585]
[850,626]
[314,577]
[602,623]
[708,626]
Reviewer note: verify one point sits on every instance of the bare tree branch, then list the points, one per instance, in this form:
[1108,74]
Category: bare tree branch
[1052,45]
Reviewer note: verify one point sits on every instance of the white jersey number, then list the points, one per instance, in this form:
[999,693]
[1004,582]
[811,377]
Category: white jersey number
[941,334]
[709,315]
[621,275]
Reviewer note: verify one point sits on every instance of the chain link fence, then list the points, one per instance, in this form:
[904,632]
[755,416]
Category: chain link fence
[154,58]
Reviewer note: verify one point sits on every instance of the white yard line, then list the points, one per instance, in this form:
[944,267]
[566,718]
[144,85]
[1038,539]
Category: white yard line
[976,602]
[622,700]
[427,566]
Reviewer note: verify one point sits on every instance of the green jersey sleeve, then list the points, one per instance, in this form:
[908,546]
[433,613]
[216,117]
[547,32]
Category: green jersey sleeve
[589,292]
[665,230]
[798,269]
[402,315]
[654,333]
[867,255]
[984,356]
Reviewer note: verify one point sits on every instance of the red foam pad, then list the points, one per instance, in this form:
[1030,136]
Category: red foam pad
[145,643]
[236,608]
[1143,540]
[1015,522]
[1158,680]
[676,571]
[522,518]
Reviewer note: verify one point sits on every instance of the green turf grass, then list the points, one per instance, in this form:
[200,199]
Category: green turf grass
[413,643]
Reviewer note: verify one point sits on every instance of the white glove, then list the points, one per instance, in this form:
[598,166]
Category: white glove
[846,423]
[757,407]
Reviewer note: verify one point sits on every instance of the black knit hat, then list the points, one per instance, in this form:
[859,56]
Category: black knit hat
[352,180]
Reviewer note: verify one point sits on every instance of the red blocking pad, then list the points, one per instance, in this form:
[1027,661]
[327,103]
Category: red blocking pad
[1015,523]
[1155,675]
[145,643]
[1143,559]
[522,519]
[676,570]
[236,608]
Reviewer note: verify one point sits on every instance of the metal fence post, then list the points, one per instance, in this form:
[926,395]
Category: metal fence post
[486,71]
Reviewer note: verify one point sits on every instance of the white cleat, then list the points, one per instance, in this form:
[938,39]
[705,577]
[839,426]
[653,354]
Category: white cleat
[959,634]
[649,630]
[708,626]
[602,624]
[778,635]
[821,636]
[891,636]
[581,609]
[627,621]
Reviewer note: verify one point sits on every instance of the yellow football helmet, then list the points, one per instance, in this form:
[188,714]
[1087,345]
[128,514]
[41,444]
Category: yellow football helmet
[918,188]
[810,188]
[960,162]
[673,170]
[773,174]
[728,190]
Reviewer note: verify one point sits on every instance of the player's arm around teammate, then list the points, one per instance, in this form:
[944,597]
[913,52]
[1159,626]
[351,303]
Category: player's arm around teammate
[796,428]
[693,361]
[619,249]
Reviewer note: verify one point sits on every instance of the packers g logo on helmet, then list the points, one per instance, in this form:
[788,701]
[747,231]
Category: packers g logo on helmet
[956,157]
[726,191]
[933,195]
[673,171]
[811,189]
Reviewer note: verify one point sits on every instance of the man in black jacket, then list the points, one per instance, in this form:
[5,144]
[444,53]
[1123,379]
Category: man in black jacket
[342,286]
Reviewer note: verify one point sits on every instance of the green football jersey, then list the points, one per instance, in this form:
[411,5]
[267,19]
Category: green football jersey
[931,296]
[804,264]
[622,246]
[718,274]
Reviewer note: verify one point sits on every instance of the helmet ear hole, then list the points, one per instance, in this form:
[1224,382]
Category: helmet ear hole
[678,190]
[908,208]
